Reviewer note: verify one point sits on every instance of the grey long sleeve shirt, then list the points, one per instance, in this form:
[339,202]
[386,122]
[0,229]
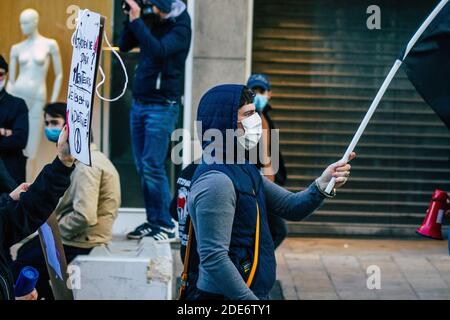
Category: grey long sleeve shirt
[211,204]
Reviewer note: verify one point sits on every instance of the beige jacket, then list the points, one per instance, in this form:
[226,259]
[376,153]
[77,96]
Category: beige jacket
[87,210]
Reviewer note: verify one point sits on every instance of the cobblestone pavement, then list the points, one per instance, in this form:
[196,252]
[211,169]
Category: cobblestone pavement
[317,268]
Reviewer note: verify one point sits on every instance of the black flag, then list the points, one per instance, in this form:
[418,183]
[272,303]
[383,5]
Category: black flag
[428,65]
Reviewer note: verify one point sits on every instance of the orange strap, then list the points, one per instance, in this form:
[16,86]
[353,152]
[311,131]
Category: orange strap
[184,275]
[255,259]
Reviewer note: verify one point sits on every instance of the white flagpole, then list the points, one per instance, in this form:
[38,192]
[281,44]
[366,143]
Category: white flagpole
[384,87]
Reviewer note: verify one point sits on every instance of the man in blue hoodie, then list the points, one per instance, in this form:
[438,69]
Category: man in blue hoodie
[162,31]
[229,200]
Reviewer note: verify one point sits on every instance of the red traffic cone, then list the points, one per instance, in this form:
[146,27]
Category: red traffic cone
[431,226]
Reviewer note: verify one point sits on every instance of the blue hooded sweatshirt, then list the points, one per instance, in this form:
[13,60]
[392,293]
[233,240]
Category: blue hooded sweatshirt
[218,110]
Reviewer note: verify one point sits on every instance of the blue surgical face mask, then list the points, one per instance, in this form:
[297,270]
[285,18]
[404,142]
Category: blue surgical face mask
[52,134]
[260,102]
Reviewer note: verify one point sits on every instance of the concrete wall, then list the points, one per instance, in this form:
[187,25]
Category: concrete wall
[221,47]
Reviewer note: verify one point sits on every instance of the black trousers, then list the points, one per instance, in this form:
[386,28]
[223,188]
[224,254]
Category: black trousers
[30,254]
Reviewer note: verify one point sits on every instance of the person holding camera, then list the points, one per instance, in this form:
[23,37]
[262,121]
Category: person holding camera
[162,31]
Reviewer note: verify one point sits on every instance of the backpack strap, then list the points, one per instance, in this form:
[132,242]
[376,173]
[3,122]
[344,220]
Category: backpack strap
[256,255]
[184,275]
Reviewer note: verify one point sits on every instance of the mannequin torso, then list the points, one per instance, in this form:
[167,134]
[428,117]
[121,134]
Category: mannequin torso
[33,56]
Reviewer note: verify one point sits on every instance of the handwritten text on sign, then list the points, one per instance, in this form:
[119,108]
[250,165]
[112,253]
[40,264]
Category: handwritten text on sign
[80,95]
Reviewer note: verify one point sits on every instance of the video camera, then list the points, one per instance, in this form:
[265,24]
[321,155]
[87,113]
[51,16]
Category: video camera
[146,7]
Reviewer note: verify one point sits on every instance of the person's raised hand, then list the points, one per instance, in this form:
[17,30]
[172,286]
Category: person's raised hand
[339,170]
[31,296]
[135,10]
[63,148]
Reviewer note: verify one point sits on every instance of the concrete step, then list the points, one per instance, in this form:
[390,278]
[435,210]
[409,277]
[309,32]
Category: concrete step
[352,229]
[378,183]
[332,76]
[346,193]
[407,208]
[263,48]
[318,66]
[328,215]
[130,270]
[378,160]
[385,126]
[388,148]
[369,136]
[431,173]
[342,49]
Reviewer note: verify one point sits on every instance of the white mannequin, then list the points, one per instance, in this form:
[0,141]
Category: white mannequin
[34,55]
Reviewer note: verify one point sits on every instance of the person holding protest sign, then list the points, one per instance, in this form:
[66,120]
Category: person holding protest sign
[25,209]
[162,31]
[85,213]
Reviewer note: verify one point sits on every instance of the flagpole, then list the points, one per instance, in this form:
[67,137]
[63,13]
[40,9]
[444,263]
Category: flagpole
[423,27]
[384,87]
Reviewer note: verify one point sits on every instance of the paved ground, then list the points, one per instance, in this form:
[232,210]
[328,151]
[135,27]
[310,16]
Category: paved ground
[313,268]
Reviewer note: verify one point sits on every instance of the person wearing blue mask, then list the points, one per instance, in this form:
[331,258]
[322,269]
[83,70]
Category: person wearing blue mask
[54,116]
[260,86]
[85,213]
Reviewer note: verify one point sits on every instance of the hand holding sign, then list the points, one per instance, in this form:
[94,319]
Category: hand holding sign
[63,148]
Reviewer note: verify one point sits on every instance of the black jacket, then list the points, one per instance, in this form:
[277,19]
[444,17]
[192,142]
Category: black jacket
[163,51]
[13,116]
[281,175]
[19,219]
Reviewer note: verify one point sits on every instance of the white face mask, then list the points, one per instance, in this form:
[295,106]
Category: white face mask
[2,84]
[252,131]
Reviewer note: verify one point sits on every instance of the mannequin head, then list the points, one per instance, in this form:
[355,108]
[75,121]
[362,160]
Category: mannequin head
[29,20]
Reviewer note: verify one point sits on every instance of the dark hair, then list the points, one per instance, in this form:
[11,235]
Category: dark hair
[57,110]
[247,97]
[259,89]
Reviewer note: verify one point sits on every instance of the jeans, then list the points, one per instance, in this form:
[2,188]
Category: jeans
[151,127]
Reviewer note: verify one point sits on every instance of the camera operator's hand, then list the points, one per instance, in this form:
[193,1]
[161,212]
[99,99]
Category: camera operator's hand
[135,10]
[63,148]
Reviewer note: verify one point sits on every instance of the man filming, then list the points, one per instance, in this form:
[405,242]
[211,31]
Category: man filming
[162,31]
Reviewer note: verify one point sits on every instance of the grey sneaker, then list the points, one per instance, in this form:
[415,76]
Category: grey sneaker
[163,234]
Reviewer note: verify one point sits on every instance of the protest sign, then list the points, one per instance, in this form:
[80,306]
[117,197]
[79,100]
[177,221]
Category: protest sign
[86,43]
